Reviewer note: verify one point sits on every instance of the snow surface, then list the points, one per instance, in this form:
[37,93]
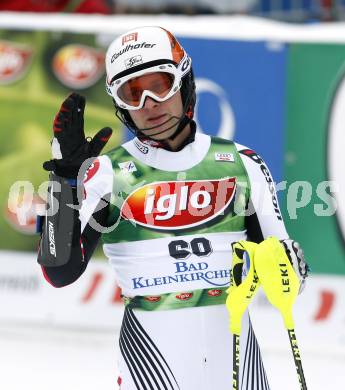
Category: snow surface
[35,358]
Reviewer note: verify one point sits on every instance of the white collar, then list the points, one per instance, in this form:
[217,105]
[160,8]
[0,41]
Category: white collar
[191,155]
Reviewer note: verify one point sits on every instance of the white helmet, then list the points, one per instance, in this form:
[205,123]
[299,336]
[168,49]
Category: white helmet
[138,53]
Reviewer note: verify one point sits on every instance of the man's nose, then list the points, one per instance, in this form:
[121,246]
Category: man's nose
[150,103]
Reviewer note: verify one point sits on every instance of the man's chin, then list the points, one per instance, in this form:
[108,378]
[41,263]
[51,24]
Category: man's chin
[163,136]
[160,134]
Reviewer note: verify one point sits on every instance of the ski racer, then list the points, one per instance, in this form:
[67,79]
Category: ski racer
[167,205]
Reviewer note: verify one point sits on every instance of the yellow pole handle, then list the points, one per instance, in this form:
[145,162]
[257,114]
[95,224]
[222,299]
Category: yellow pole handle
[277,277]
[241,291]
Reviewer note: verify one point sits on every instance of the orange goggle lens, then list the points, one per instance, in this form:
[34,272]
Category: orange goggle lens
[159,84]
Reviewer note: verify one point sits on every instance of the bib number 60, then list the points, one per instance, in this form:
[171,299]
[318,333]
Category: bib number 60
[181,249]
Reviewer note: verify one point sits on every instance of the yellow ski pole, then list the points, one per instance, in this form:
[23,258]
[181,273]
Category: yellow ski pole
[281,285]
[240,294]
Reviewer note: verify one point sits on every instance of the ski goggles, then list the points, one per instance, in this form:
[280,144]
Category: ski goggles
[159,82]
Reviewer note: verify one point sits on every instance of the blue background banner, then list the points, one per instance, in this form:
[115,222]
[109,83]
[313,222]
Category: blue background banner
[250,77]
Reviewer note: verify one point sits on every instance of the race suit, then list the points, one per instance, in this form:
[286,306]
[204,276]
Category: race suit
[167,228]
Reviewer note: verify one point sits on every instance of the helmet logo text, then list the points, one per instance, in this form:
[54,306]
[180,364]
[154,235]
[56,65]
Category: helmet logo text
[129,37]
[133,61]
[143,45]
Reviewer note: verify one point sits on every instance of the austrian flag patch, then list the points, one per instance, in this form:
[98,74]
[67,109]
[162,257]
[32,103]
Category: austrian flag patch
[127,166]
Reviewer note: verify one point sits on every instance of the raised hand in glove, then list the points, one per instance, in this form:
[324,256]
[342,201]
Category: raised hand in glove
[70,148]
[295,254]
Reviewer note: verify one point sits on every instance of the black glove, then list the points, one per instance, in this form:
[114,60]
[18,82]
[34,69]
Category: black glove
[69,146]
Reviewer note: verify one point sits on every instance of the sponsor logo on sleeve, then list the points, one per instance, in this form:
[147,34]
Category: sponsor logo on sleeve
[78,66]
[258,160]
[92,170]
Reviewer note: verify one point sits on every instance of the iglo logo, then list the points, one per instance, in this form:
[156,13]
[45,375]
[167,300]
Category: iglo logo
[185,296]
[178,204]
[14,61]
[335,152]
[214,292]
[153,298]
[78,66]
